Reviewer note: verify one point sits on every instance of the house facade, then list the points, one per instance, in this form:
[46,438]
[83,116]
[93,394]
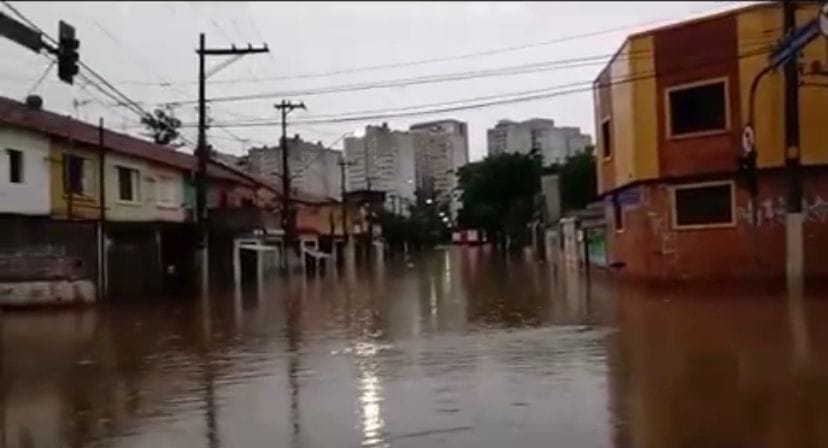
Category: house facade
[89,213]
[669,111]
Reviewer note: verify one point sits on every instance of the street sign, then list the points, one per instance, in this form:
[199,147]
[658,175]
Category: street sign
[823,20]
[748,138]
[794,42]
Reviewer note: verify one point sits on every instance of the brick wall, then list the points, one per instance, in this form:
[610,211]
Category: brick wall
[650,247]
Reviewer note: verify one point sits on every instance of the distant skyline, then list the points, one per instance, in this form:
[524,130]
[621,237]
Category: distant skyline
[158,64]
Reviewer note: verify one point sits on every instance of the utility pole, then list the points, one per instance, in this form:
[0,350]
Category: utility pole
[794,217]
[342,164]
[203,151]
[285,107]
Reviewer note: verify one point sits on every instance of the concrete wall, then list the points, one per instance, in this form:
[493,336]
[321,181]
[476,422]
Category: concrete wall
[391,162]
[45,262]
[31,197]
[314,168]
[554,143]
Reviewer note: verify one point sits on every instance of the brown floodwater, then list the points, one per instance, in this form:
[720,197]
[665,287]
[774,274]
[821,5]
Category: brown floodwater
[459,348]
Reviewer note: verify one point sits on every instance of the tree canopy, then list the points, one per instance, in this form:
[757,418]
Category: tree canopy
[163,126]
[498,193]
[578,180]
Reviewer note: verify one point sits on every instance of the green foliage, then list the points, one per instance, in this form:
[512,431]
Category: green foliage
[499,193]
[163,126]
[421,228]
[578,180]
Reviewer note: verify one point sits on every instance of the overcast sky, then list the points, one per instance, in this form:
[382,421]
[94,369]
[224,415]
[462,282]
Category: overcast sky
[138,46]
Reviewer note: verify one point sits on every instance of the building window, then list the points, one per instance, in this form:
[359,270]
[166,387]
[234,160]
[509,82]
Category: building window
[697,108]
[127,184]
[703,205]
[606,139]
[15,166]
[617,214]
[166,191]
[76,171]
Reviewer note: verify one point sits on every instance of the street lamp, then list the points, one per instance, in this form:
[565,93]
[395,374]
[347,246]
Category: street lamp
[429,201]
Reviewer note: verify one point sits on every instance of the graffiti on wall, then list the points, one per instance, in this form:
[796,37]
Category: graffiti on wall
[772,211]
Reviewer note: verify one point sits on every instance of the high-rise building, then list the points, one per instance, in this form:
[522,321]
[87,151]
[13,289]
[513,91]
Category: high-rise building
[555,144]
[442,147]
[383,160]
[314,169]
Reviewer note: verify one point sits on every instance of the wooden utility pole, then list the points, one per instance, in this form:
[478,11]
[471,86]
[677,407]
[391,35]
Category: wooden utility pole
[285,107]
[203,151]
[342,164]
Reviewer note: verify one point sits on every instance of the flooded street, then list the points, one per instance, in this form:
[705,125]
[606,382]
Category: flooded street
[458,349]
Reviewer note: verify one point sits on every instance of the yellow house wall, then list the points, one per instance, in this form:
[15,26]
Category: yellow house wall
[645,138]
[84,206]
[623,121]
[763,26]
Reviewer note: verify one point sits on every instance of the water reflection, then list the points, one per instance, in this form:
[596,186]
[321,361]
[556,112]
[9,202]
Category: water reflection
[460,348]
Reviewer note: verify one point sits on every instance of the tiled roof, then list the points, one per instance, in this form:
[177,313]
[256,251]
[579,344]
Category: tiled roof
[15,113]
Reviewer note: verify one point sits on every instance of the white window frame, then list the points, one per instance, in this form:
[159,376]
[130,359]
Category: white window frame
[690,186]
[668,110]
[164,185]
[135,179]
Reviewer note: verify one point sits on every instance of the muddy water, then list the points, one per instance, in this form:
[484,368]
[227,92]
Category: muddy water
[458,349]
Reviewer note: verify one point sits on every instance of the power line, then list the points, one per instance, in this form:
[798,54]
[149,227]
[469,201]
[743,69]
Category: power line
[116,95]
[470,55]
[129,102]
[516,97]
[534,67]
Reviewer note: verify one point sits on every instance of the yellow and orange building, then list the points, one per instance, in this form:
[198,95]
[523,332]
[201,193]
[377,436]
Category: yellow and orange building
[669,111]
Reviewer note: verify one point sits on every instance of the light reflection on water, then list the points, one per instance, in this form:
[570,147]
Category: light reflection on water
[459,349]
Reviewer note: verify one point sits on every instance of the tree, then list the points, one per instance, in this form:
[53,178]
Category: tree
[578,180]
[499,194]
[163,126]
[421,227]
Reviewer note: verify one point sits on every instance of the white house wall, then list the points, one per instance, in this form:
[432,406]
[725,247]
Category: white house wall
[31,197]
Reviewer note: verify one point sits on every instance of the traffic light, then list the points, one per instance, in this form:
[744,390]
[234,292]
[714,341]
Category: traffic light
[67,52]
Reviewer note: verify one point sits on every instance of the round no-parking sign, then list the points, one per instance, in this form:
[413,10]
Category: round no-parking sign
[748,138]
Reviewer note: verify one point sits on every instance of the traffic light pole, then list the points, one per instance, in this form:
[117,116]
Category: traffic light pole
[203,152]
[794,218]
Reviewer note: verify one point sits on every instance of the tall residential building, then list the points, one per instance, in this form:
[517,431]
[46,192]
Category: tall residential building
[555,144]
[314,169]
[442,148]
[383,160]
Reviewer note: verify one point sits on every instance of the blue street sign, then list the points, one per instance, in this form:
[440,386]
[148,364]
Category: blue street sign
[794,42]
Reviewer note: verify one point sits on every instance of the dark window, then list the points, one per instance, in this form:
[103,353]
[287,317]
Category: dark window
[617,213]
[72,174]
[15,166]
[704,205]
[127,184]
[606,138]
[698,109]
